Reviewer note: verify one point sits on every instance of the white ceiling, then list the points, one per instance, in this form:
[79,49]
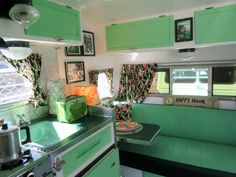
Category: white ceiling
[110,11]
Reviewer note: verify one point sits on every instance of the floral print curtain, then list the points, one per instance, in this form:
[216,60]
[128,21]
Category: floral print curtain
[93,76]
[135,83]
[30,68]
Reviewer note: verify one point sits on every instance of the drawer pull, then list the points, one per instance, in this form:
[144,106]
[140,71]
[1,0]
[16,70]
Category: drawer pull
[58,165]
[89,148]
[113,164]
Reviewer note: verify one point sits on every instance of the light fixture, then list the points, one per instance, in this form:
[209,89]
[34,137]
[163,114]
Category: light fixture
[17,50]
[3,44]
[186,54]
[24,13]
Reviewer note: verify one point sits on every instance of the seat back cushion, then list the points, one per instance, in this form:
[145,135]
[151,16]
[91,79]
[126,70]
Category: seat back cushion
[212,125]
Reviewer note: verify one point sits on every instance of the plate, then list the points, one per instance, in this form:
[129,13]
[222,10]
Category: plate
[126,126]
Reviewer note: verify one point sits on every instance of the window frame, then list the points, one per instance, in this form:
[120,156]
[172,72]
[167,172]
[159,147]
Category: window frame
[162,94]
[223,97]
[208,65]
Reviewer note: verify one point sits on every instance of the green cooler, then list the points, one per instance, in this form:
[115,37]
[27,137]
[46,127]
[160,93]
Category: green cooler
[71,109]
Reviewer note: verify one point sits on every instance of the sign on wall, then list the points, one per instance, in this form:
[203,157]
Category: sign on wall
[192,101]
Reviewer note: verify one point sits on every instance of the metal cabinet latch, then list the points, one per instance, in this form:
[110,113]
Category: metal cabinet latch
[58,165]
[59,38]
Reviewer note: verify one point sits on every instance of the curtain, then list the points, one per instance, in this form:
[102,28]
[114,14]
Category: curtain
[135,83]
[93,76]
[30,68]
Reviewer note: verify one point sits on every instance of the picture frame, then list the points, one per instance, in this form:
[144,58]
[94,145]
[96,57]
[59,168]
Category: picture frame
[73,51]
[184,29]
[89,44]
[75,71]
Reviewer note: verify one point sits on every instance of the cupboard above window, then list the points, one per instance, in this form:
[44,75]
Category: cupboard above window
[56,22]
[215,25]
[150,33]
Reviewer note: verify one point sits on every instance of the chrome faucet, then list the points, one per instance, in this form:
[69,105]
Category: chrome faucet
[22,120]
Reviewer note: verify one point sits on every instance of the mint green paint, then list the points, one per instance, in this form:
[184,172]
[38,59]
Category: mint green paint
[55,20]
[151,33]
[215,25]
[47,134]
[76,157]
[108,166]
[213,125]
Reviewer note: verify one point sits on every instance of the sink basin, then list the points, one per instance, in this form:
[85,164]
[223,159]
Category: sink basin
[46,133]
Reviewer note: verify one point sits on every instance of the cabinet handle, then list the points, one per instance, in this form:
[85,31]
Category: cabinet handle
[58,165]
[113,164]
[93,145]
[59,38]
[209,8]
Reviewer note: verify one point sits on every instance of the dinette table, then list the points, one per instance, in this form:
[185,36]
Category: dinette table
[144,136]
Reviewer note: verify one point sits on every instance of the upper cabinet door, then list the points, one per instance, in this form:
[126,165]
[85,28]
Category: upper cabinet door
[215,25]
[151,33]
[56,21]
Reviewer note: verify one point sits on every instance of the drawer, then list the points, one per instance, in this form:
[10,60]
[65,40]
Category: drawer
[108,166]
[84,152]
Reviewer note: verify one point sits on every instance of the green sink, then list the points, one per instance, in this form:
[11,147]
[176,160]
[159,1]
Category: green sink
[46,133]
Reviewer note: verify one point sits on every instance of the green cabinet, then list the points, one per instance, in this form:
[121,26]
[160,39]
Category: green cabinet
[55,21]
[79,156]
[215,25]
[151,33]
[108,166]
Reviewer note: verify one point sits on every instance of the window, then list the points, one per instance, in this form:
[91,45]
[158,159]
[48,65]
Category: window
[202,80]
[13,87]
[224,81]
[161,82]
[104,86]
[190,81]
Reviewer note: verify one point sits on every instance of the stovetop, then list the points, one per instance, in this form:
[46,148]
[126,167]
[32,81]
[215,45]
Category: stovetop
[29,160]
[25,157]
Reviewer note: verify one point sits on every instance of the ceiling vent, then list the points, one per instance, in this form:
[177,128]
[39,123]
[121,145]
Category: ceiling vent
[187,53]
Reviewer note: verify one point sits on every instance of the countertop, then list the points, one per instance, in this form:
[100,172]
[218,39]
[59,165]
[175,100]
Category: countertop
[91,123]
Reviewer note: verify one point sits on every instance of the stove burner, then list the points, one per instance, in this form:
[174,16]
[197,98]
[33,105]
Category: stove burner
[22,160]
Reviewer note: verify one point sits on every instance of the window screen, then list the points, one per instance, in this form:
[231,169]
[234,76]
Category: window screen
[190,81]
[13,87]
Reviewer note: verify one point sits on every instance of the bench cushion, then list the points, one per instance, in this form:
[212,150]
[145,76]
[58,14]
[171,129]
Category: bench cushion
[187,151]
[212,125]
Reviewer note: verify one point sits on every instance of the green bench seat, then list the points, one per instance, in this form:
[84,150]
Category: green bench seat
[199,137]
[187,151]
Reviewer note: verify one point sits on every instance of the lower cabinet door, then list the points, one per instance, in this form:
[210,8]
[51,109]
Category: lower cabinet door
[108,166]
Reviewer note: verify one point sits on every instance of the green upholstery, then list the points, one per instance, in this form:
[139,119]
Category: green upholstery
[195,136]
[187,151]
[211,125]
